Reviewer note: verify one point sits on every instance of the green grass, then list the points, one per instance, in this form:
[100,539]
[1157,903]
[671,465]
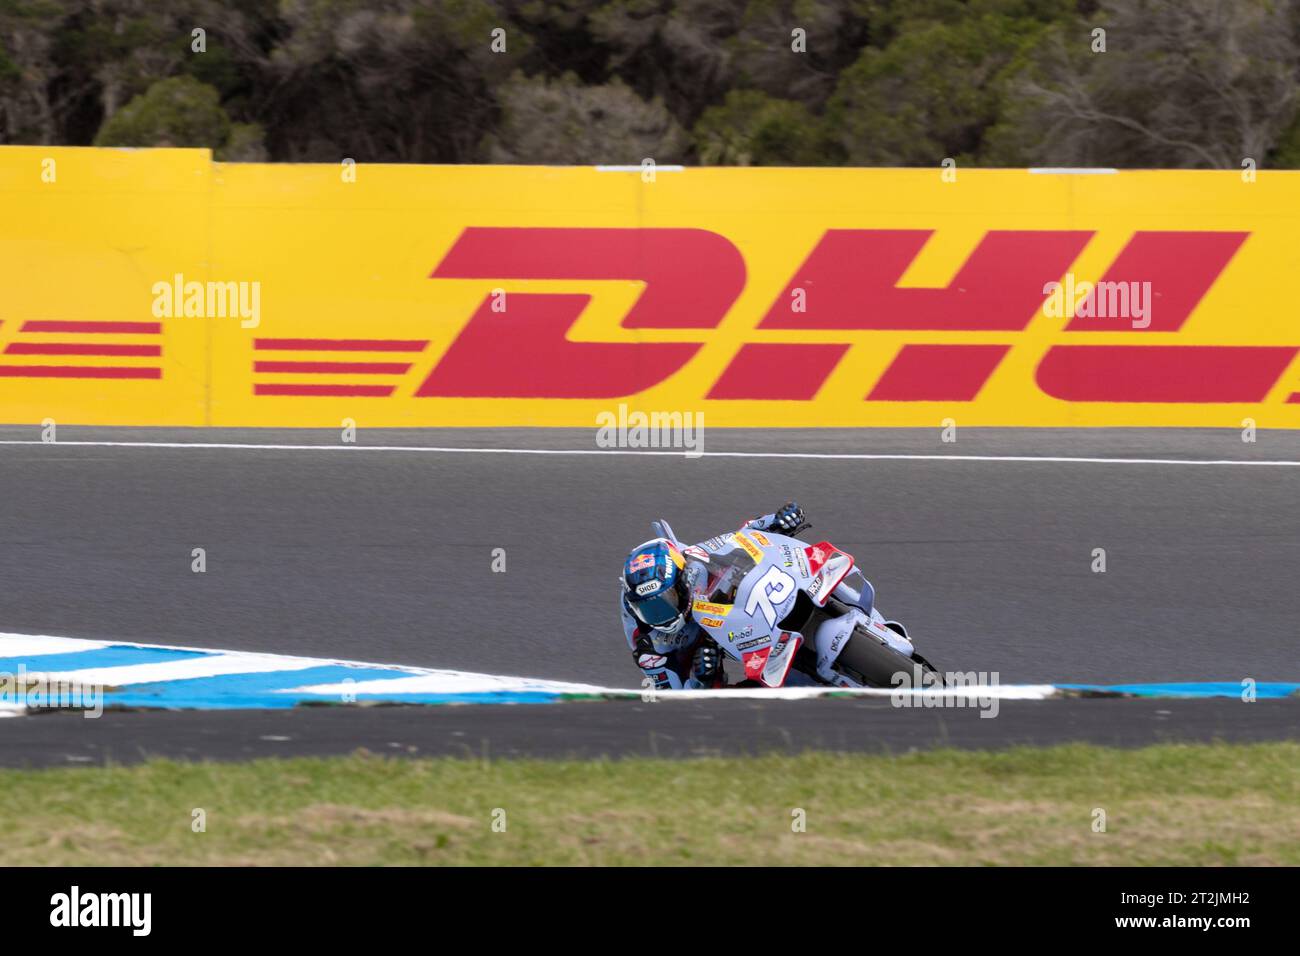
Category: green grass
[1169,804]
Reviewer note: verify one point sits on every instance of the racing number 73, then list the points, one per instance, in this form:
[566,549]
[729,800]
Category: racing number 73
[770,592]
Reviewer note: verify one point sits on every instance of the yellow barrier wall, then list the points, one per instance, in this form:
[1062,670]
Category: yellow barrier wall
[406,295]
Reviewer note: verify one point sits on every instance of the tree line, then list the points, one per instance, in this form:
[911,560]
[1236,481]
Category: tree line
[1126,83]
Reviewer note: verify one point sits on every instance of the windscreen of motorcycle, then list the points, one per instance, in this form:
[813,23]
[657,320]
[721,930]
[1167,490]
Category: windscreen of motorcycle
[757,577]
[726,571]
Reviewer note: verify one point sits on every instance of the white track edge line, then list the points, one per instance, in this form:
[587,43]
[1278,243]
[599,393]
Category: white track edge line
[835,456]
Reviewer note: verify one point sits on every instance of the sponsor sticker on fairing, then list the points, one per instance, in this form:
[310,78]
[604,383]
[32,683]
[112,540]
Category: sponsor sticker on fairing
[779,660]
[829,577]
[753,550]
[711,621]
[707,607]
[818,554]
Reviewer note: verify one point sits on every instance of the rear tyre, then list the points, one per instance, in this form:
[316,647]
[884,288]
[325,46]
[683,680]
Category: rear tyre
[873,664]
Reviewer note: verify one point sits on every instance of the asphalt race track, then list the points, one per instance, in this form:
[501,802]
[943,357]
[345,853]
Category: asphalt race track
[379,555]
[660,729]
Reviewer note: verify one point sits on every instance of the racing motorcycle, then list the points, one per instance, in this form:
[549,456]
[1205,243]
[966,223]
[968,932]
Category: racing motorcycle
[775,605]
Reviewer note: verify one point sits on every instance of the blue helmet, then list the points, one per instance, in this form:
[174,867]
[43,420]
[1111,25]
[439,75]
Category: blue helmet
[654,586]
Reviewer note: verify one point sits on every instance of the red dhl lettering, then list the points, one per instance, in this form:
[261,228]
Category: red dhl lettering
[692,277]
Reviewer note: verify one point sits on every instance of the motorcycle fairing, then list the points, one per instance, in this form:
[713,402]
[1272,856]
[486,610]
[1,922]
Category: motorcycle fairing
[779,659]
[770,665]
[829,566]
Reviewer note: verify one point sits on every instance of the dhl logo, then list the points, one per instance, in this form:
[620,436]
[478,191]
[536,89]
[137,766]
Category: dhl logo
[692,277]
[849,284]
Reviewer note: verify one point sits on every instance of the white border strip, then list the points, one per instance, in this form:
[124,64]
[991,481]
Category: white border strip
[191,668]
[832,456]
[38,645]
[222,662]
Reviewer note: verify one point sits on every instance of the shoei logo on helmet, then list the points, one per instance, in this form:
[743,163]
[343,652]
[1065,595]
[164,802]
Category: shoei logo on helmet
[650,587]
[641,561]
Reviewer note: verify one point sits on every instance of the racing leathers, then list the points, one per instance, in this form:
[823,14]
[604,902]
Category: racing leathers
[688,659]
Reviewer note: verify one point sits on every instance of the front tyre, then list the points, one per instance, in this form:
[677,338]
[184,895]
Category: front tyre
[873,664]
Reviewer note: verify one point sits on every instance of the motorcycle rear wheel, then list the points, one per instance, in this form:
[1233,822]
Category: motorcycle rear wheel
[873,664]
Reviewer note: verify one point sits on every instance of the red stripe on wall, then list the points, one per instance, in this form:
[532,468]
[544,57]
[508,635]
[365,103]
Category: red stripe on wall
[93,328]
[343,345]
[326,368]
[77,371]
[80,348]
[375,391]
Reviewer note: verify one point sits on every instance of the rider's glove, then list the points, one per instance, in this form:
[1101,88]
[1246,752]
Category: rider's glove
[707,666]
[789,519]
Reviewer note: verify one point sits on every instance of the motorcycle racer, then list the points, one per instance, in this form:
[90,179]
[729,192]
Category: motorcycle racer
[661,580]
